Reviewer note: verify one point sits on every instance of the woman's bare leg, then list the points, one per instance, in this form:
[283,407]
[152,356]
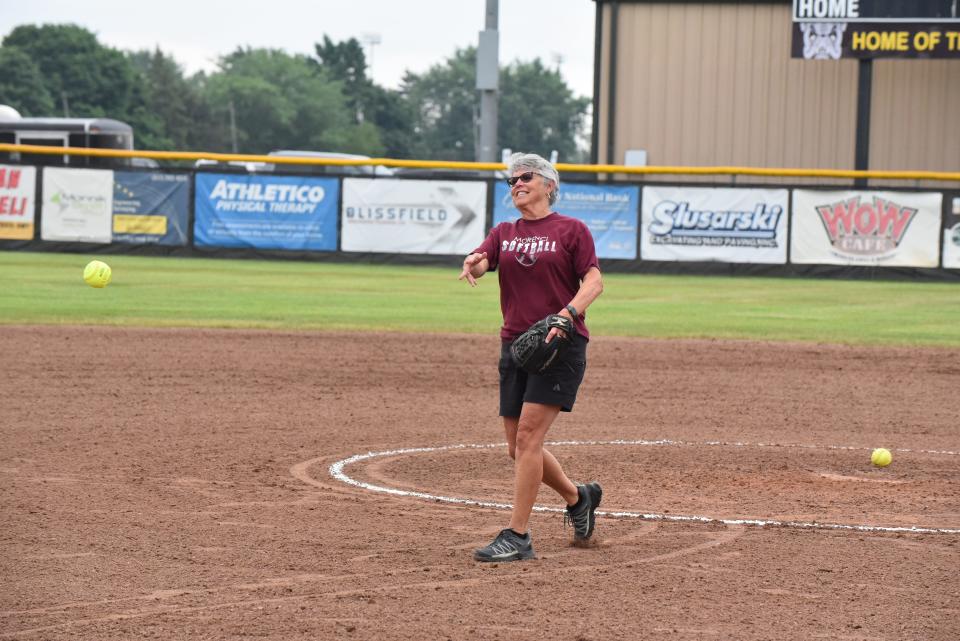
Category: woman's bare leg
[534,464]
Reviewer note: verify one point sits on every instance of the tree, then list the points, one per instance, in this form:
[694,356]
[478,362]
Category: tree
[93,80]
[386,110]
[284,102]
[21,84]
[346,62]
[170,98]
[268,99]
[89,79]
[394,119]
[444,102]
[537,111]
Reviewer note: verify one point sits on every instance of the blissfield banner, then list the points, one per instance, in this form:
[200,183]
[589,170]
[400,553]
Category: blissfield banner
[18,185]
[150,207]
[951,236]
[714,224]
[412,216]
[266,212]
[609,212]
[77,205]
[892,228]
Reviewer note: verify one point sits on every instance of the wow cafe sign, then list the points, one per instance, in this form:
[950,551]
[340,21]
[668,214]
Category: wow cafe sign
[869,227]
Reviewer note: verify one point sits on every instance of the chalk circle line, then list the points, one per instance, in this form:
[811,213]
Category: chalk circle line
[336,471]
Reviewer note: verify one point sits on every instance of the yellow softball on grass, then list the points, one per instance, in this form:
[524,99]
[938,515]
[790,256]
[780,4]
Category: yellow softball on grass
[97,274]
[881,457]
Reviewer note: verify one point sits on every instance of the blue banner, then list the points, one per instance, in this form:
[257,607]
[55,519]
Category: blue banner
[266,212]
[150,207]
[610,213]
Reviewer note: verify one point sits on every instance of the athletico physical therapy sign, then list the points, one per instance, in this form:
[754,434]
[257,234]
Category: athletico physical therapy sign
[834,29]
[266,212]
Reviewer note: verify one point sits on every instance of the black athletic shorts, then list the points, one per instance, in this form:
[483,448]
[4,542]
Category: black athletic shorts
[557,385]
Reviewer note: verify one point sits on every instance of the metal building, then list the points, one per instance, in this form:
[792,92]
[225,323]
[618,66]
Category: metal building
[714,83]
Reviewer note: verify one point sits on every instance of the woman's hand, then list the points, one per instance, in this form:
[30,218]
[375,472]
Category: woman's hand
[473,268]
[556,331]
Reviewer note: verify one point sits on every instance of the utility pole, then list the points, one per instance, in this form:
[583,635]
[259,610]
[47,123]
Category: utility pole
[371,40]
[488,74]
[233,126]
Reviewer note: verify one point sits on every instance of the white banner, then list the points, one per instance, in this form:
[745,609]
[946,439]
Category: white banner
[77,205]
[951,237]
[412,216]
[894,228]
[706,224]
[18,188]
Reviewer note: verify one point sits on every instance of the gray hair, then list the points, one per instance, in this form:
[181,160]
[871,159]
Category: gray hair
[538,164]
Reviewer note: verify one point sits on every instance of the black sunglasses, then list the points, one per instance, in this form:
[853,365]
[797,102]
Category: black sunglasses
[526,177]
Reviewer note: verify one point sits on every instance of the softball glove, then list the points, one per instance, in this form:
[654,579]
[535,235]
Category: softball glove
[532,354]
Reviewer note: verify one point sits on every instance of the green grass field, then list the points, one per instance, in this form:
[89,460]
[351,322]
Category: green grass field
[47,288]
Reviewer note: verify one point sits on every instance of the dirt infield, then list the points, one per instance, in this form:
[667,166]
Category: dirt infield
[174,484]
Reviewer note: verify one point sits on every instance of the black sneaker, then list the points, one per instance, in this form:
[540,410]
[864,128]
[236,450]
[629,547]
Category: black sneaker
[581,514]
[508,546]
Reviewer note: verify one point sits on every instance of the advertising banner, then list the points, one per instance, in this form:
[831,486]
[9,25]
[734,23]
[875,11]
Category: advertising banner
[412,216]
[77,205]
[18,185]
[951,236]
[866,228]
[150,207]
[714,224]
[609,212]
[266,212]
[836,40]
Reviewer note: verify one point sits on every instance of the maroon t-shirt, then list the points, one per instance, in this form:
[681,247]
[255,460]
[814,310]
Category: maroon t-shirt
[540,264]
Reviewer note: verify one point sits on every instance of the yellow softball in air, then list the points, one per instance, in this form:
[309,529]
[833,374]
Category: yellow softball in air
[881,457]
[97,274]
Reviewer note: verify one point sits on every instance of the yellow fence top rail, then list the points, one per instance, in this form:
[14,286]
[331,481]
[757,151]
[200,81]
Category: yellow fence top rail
[485,166]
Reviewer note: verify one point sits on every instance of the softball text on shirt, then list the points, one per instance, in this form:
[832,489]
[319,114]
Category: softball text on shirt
[540,265]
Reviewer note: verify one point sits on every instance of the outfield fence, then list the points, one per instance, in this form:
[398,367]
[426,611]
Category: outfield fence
[411,211]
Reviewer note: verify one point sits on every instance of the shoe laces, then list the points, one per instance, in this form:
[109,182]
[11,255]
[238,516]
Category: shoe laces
[506,542]
[577,520]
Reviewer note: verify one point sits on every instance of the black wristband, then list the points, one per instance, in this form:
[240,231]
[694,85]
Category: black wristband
[572,310]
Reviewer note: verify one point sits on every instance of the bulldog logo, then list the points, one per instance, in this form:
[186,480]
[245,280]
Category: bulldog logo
[823,40]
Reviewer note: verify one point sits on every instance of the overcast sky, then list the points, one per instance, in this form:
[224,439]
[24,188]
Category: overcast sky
[413,35]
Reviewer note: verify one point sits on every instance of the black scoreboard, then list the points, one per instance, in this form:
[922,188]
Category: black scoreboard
[902,11]
[835,29]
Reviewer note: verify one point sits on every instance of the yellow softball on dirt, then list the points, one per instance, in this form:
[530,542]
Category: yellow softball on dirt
[97,274]
[881,457]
